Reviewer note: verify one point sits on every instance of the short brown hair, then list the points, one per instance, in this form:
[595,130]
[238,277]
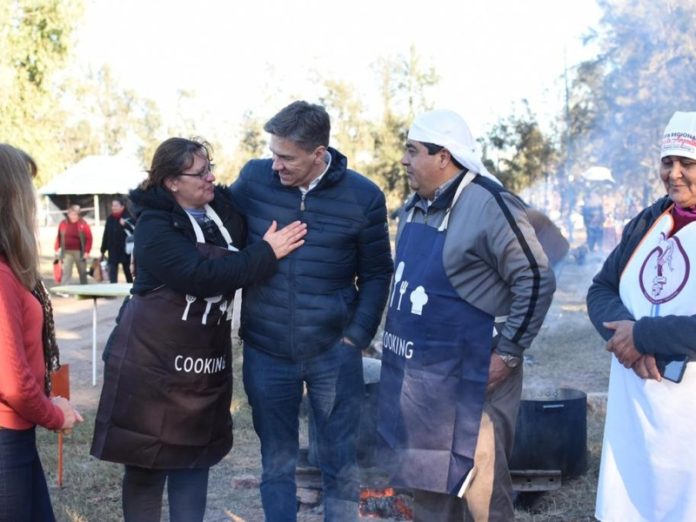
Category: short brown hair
[307,124]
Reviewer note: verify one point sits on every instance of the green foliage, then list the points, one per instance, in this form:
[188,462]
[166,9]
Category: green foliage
[350,129]
[251,144]
[404,84]
[524,153]
[113,119]
[56,114]
[35,38]
[622,100]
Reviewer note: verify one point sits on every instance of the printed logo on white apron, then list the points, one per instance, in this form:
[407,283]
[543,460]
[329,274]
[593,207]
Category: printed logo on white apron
[665,271]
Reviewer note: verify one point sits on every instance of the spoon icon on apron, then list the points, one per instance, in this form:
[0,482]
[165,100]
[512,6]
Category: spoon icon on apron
[397,277]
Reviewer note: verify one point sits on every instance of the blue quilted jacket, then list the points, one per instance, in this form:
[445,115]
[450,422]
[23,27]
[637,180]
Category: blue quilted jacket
[336,284]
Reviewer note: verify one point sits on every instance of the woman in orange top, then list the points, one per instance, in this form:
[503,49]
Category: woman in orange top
[28,351]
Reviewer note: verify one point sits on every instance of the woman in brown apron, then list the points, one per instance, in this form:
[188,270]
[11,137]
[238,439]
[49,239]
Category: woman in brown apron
[164,408]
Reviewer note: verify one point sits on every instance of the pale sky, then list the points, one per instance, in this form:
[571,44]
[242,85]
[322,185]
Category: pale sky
[262,54]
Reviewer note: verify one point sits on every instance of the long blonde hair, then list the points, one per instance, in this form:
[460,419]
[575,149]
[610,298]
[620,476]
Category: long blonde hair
[18,214]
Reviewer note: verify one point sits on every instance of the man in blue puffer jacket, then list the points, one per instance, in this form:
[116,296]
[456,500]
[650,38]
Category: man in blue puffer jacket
[309,322]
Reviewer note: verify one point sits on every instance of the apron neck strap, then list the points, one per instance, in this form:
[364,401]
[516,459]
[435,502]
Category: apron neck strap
[212,215]
[468,178]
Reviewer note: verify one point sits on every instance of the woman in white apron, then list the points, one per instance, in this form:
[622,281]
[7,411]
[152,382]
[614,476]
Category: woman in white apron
[643,303]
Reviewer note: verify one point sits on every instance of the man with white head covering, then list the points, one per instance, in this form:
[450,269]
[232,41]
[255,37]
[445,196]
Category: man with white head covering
[471,289]
[642,303]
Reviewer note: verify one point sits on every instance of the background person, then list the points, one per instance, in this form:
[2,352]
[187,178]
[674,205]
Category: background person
[593,218]
[164,409]
[468,265]
[73,244]
[642,303]
[28,350]
[118,226]
[307,325]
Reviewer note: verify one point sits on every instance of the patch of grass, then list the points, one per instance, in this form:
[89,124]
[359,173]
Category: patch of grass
[91,488]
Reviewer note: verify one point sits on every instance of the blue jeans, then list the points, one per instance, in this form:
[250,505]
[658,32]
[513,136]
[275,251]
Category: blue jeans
[23,491]
[335,389]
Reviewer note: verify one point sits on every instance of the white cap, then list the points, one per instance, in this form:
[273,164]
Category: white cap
[449,130]
[680,136]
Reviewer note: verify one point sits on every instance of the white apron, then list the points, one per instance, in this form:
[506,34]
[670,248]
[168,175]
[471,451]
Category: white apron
[648,467]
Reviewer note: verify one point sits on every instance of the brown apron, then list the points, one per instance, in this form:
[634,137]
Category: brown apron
[167,389]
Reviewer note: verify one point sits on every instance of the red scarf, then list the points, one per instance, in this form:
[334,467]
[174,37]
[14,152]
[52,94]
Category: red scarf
[682,217]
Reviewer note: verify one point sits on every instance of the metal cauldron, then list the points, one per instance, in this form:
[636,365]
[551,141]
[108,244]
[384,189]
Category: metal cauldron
[551,432]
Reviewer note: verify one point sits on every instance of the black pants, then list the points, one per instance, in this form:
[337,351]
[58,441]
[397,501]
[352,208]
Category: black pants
[187,490]
[113,271]
[23,491]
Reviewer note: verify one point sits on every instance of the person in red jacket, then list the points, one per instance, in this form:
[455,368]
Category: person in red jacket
[28,351]
[73,243]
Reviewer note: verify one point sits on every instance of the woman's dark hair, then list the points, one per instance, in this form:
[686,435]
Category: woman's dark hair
[307,124]
[434,149]
[172,157]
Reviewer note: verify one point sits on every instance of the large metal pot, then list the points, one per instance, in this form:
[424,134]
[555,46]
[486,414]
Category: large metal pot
[551,432]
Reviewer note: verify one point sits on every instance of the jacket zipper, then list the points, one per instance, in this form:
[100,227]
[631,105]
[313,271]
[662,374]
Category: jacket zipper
[292,286]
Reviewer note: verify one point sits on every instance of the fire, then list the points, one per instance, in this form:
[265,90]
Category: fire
[385,503]
[378,493]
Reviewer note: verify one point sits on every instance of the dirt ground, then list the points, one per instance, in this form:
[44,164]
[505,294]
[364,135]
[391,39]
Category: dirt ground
[567,353]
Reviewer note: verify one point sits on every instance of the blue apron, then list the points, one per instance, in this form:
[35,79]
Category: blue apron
[435,360]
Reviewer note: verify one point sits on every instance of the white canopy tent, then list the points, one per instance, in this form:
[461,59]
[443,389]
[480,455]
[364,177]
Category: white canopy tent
[96,176]
[598,174]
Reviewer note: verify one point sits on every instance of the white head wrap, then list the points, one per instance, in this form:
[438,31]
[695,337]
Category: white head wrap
[449,130]
[680,136]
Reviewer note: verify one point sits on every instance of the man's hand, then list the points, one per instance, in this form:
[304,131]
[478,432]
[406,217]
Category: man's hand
[646,368]
[621,344]
[498,371]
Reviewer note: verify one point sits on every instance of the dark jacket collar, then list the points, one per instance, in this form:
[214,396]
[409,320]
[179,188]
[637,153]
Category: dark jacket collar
[443,201]
[158,198]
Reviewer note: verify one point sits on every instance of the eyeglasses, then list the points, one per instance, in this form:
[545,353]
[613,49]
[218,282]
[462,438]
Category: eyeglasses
[204,173]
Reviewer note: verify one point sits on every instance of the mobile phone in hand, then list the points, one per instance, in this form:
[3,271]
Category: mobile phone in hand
[672,367]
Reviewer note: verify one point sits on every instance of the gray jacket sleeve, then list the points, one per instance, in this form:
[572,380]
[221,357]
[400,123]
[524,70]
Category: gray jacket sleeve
[495,262]
[513,250]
